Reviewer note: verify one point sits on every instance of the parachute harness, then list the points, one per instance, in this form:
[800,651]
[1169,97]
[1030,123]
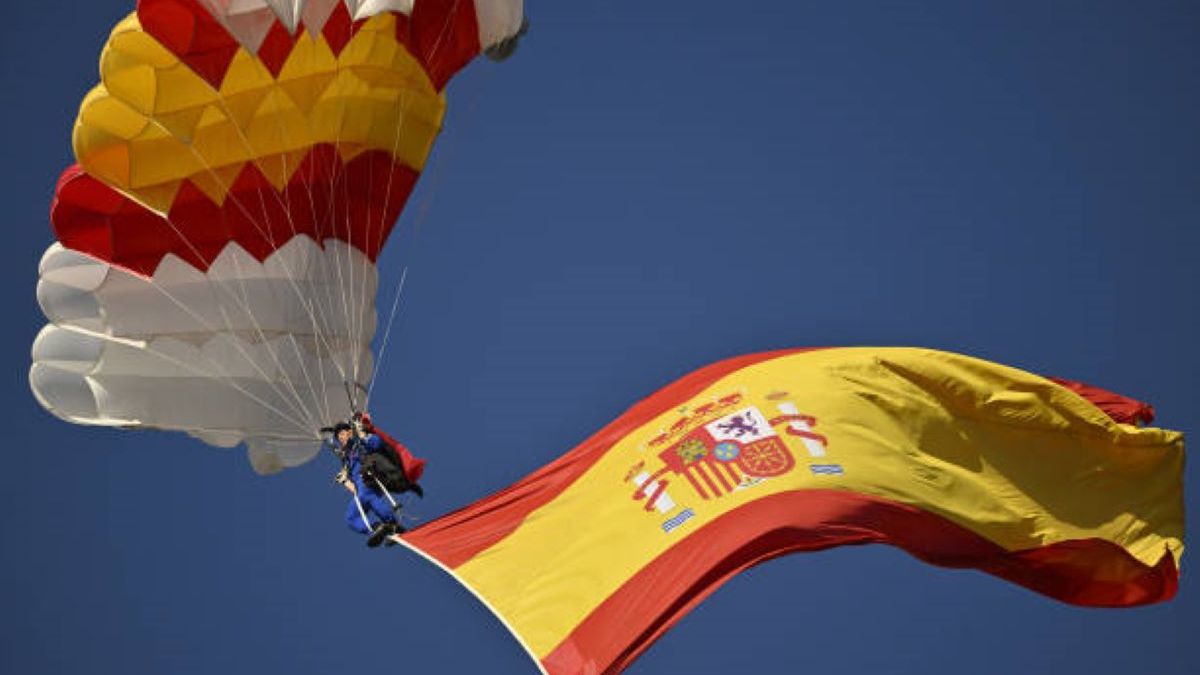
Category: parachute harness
[358,423]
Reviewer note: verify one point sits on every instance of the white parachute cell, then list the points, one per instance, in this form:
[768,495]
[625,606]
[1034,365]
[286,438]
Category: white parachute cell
[246,352]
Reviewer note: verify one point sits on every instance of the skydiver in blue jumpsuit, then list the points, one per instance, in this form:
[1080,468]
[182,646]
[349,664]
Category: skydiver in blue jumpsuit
[351,448]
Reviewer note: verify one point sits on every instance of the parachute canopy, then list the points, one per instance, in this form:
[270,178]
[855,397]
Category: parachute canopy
[960,462]
[240,167]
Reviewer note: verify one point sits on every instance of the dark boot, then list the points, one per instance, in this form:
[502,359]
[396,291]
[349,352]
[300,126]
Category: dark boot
[381,532]
[398,529]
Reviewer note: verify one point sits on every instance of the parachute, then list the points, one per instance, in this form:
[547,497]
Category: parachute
[240,167]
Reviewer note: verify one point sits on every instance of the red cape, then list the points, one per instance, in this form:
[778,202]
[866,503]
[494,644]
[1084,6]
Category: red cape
[414,466]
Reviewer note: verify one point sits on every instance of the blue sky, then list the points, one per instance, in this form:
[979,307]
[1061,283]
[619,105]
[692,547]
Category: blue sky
[645,188]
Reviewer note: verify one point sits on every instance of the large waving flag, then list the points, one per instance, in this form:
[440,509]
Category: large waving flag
[960,462]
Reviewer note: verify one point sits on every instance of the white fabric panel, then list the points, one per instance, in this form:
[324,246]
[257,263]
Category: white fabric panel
[65,290]
[69,305]
[63,350]
[248,21]
[247,352]
[301,289]
[225,392]
[65,393]
[288,12]
[64,266]
[268,456]
[367,8]
[315,13]
[498,20]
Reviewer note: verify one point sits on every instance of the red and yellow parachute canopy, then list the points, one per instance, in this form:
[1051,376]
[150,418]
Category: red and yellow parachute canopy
[240,166]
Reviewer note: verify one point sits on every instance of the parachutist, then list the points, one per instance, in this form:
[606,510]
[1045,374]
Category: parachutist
[374,466]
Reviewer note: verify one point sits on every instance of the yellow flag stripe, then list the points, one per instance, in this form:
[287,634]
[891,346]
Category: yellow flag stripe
[1005,454]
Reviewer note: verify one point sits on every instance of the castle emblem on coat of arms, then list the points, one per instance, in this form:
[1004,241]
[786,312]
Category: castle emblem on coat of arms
[722,447]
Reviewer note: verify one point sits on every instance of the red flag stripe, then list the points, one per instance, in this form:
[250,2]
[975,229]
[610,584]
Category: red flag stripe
[690,474]
[651,601]
[1119,408]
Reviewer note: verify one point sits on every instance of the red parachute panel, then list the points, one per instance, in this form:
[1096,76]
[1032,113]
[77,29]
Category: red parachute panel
[357,202]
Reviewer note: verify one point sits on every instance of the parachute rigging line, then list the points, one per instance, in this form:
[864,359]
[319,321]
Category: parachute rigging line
[386,333]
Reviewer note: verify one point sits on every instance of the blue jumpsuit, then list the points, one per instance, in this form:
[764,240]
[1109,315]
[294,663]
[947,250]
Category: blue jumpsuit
[374,502]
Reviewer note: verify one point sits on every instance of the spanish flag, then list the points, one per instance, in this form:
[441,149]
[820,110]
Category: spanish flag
[960,462]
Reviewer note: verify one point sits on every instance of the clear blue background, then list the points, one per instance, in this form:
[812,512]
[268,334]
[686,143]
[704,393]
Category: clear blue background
[644,188]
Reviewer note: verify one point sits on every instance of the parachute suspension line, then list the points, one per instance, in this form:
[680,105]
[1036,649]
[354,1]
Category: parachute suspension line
[228,379]
[351,304]
[373,233]
[354,321]
[288,272]
[352,389]
[470,109]
[334,213]
[322,318]
[386,334]
[312,262]
[398,126]
[315,398]
[308,306]
[161,289]
[272,350]
[422,213]
[347,285]
[340,187]
[345,272]
[299,401]
[243,303]
[265,235]
[319,317]
[356,324]
[319,397]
